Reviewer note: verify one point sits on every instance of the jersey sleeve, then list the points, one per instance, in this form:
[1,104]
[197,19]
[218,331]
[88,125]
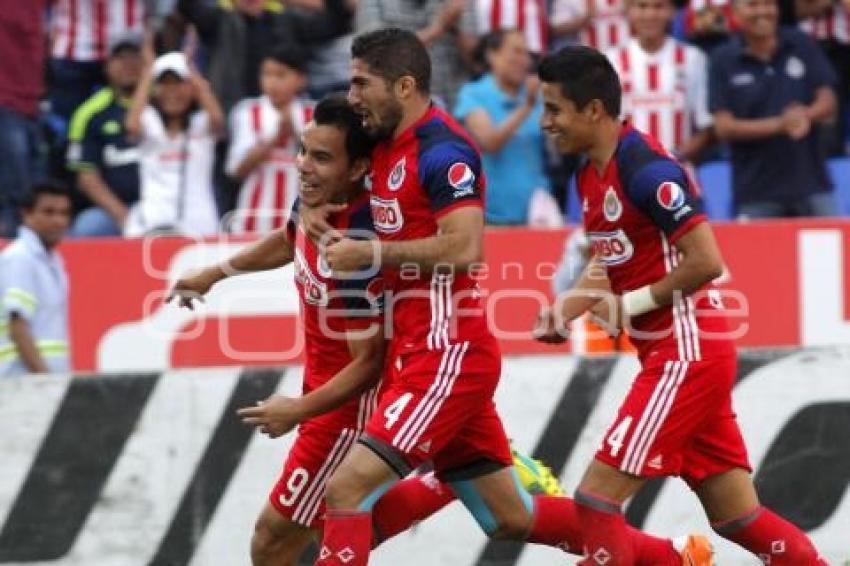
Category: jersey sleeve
[661,190]
[84,144]
[451,175]
[20,296]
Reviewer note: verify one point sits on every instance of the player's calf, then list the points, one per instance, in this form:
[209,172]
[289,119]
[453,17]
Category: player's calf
[277,541]
[497,501]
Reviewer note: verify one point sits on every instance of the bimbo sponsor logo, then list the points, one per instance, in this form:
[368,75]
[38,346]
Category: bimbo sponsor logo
[315,291]
[612,248]
[386,214]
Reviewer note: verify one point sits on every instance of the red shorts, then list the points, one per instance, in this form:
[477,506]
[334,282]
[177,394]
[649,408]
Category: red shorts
[439,408]
[677,419]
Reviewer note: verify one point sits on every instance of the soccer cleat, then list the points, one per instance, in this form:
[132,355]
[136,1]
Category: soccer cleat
[695,550]
[535,476]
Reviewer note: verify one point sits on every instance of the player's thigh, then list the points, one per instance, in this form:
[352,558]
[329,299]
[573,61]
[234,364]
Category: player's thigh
[434,397]
[299,493]
[728,495]
[667,405]
[362,473]
[278,539]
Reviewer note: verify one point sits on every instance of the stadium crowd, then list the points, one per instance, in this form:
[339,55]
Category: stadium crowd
[184,115]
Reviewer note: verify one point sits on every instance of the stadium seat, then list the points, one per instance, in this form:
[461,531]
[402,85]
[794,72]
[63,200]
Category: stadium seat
[715,178]
[839,169]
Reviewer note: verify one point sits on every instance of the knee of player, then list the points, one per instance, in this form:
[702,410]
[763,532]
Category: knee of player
[513,526]
[264,538]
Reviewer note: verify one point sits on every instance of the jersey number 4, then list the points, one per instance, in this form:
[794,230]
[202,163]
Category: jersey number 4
[394,411]
[618,435]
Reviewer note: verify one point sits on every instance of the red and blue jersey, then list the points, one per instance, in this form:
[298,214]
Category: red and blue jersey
[430,169]
[331,306]
[633,215]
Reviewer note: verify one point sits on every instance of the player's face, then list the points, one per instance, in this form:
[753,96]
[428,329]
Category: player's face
[570,129]
[323,165]
[757,18]
[280,82]
[650,19]
[373,99]
[49,218]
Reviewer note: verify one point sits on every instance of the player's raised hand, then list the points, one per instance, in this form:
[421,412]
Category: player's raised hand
[192,286]
[275,416]
[314,221]
[547,330]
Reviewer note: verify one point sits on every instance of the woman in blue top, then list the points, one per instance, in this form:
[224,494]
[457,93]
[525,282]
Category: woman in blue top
[502,111]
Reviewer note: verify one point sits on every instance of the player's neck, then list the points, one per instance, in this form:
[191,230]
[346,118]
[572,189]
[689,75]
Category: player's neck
[346,195]
[415,110]
[606,144]
[652,44]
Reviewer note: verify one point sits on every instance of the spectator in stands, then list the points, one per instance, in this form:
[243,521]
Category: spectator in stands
[176,124]
[329,66]
[600,24]
[265,133]
[709,23]
[34,287]
[502,111]
[830,26]
[446,27]
[770,88]
[21,84]
[105,160]
[665,82]
[527,16]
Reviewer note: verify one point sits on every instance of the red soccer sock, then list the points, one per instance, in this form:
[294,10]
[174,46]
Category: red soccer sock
[771,538]
[603,527]
[347,538]
[408,502]
[556,523]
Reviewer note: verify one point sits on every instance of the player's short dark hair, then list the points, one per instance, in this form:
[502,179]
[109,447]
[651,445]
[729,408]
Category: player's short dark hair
[50,187]
[392,53]
[289,54]
[335,110]
[584,74]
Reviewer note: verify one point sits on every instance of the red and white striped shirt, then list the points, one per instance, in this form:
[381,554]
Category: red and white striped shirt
[526,15]
[81,30]
[665,93]
[607,29]
[833,24]
[268,192]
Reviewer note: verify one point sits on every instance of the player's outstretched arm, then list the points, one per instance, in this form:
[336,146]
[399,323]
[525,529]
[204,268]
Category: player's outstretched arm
[270,252]
[278,414]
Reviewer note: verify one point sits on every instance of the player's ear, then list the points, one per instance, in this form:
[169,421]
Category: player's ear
[359,169]
[405,87]
[596,110]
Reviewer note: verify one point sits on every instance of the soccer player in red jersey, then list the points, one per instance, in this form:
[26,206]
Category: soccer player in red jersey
[344,346]
[654,259]
[426,196]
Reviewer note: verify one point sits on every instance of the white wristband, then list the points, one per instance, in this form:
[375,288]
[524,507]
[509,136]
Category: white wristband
[638,302]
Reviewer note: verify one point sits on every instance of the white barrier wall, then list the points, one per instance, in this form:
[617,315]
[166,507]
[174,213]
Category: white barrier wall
[155,468]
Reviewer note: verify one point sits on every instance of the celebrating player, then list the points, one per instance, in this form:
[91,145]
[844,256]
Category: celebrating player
[656,253]
[426,196]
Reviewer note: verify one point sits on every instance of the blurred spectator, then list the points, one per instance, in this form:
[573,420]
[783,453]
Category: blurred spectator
[21,85]
[177,131]
[81,33]
[34,287]
[330,52]
[709,23]
[665,92]
[600,24]
[502,111]
[528,16]
[770,88]
[235,41]
[105,160]
[830,26]
[447,27]
[265,138]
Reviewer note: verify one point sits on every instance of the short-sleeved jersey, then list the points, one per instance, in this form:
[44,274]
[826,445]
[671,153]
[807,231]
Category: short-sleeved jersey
[633,215]
[330,306]
[427,171]
[269,191]
[664,93]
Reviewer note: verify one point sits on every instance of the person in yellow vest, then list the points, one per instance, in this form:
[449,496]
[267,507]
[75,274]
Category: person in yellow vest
[34,287]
